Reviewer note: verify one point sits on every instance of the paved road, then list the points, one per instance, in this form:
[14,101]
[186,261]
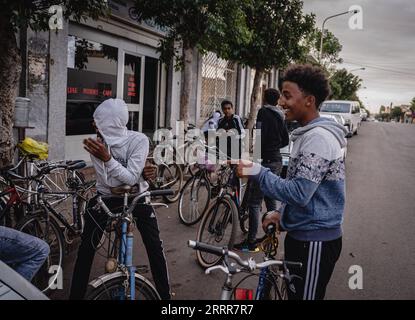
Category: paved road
[378,229]
[380,214]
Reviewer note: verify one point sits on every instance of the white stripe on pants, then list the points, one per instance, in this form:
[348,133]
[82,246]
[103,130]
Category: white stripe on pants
[313,269]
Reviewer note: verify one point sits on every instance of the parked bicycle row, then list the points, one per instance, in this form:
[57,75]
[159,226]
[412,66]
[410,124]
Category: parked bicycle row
[216,195]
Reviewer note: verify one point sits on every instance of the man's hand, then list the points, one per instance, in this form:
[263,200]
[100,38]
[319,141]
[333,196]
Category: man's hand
[97,149]
[150,172]
[247,168]
[274,217]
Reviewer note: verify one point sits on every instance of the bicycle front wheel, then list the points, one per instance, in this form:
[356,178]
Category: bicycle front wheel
[115,289]
[274,289]
[218,227]
[194,200]
[50,232]
[172,176]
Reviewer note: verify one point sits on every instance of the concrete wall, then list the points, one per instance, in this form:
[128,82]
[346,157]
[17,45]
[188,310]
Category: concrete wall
[57,92]
[37,83]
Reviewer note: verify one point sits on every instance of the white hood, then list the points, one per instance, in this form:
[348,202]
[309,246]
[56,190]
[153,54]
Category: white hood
[111,118]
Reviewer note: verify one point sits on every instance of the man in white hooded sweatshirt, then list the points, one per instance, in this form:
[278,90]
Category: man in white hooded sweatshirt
[118,156]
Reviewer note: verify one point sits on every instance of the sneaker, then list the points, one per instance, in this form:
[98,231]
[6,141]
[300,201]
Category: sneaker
[246,246]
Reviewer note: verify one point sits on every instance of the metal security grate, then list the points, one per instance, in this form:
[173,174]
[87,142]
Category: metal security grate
[218,83]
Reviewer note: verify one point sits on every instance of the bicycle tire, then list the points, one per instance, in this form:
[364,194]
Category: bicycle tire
[207,260]
[178,176]
[104,291]
[56,254]
[275,290]
[194,195]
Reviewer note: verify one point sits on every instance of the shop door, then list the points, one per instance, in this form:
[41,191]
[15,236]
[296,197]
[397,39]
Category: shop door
[133,89]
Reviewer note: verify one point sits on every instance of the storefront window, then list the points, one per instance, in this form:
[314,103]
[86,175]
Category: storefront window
[132,76]
[92,78]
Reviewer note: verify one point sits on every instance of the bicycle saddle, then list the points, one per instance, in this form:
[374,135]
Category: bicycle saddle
[121,190]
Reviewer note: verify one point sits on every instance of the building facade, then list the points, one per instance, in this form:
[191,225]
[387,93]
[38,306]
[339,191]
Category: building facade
[67,74]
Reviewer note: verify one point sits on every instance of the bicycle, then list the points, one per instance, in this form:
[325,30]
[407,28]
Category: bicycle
[122,281]
[196,195]
[229,291]
[219,224]
[43,221]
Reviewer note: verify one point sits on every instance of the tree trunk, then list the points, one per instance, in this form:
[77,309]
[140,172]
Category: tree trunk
[255,101]
[186,85]
[10,67]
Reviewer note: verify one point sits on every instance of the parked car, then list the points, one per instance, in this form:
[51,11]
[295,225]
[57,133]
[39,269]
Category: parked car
[339,119]
[363,114]
[349,110]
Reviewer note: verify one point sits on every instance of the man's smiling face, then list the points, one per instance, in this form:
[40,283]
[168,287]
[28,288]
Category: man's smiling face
[295,103]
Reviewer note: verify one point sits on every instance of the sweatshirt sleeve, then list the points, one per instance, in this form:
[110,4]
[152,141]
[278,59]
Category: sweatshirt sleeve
[309,170]
[131,174]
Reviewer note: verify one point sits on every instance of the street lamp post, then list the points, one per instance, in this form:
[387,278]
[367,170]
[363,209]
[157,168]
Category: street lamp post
[357,69]
[322,30]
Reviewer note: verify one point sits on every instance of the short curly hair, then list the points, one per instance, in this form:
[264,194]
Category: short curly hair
[311,80]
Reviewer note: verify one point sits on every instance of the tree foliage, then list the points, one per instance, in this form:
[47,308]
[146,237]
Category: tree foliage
[396,113]
[35,13]
[208,25]
[413,105]
[344,85]
[278,30]
[18,15]
[331,47]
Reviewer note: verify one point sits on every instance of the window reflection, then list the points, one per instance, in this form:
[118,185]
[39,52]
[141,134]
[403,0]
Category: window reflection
[92,78]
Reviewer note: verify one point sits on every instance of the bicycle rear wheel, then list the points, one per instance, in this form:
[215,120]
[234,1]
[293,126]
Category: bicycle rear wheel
[172,177]
[218,227]
[194,200]
[114,289]
[50,232]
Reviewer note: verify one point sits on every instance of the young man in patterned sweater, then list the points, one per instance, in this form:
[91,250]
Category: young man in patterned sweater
[313,194]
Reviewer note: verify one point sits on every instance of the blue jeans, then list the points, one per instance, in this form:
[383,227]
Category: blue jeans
[22,252]
[255,201]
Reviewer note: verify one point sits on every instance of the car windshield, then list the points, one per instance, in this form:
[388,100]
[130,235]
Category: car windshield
[335,107]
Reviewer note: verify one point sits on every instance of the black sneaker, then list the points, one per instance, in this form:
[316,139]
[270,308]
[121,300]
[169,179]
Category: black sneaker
[246,246]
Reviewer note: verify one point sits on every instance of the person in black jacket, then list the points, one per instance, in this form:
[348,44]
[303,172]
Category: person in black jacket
[234,130]
[274,136]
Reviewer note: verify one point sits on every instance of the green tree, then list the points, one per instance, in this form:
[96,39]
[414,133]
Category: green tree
[396,113]
[279,29]
[208,25]
[17,15]
[413,105]
[382,109]
[344,85]
[331,48]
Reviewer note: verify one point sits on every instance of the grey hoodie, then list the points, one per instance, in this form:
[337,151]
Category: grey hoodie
[129,149]
[313,194]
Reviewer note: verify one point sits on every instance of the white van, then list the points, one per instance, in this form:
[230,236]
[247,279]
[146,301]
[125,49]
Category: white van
[350,110]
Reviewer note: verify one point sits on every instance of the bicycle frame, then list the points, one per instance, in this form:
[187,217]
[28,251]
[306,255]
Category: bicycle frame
[12,198]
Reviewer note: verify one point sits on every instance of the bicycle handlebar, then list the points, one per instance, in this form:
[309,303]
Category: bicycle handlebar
[250,263]
[153,193]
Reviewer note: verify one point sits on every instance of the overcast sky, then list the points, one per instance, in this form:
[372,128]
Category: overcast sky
[385,46]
